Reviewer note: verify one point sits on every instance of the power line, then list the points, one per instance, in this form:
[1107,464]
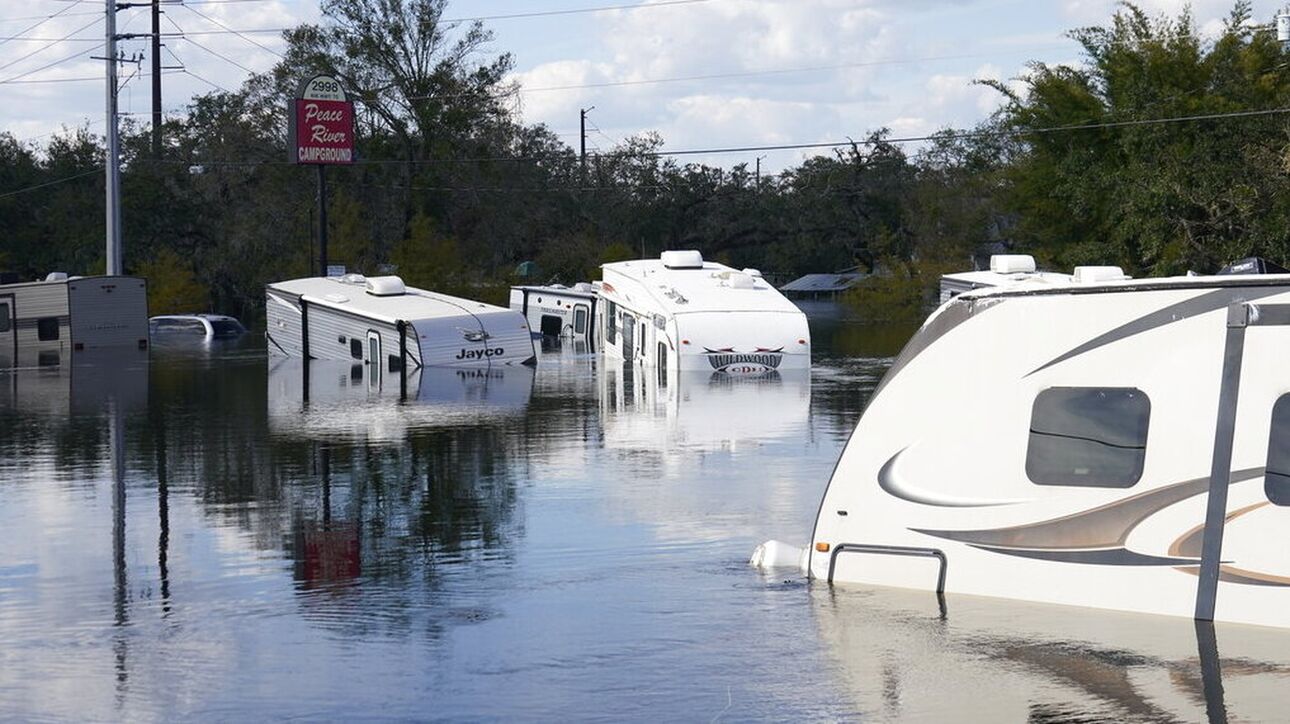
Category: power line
[574,11]
[252,41]
[65,179]
[43,20]
[52,43]
[73,56]
[217,54]
[962,135]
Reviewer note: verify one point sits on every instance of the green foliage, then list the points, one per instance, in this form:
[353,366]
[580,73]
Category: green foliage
[172,286]
[1156,198]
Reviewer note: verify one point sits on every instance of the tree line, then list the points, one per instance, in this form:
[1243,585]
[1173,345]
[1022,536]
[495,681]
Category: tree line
[1164,151]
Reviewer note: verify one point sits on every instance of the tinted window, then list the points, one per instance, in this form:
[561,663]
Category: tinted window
[611,322]
[579,320]
[1088,436]
[47,329]
[226,328]
[5,319]
[395,363]
[356,348]
[1276,481]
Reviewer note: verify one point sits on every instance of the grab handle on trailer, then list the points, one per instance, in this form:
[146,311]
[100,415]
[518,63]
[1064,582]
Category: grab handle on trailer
[891,551]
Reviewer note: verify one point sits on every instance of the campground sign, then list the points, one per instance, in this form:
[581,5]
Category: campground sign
[321,123]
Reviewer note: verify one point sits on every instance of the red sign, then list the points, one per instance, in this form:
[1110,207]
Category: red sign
[323,131]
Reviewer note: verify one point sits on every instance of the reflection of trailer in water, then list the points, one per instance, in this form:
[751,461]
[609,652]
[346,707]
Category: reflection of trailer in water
[43,323]
[558,311]
[969,658]
[324,399]
[703,411]
[81,387]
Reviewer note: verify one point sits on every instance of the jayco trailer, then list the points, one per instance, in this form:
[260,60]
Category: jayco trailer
[43,323]
[558,311]
[378,321]
[1088,439]
[682,312]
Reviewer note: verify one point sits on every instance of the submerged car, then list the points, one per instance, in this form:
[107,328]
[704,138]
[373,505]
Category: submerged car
[196,326]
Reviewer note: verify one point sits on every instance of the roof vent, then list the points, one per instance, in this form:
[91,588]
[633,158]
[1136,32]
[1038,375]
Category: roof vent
[584,287]
[691,259]
[56,277]
[1096,274]
[753,273]
[1012,264]
[356,279]
[385,286]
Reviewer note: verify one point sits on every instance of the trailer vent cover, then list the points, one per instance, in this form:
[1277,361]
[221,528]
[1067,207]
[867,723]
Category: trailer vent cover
[691,259]
[385,286]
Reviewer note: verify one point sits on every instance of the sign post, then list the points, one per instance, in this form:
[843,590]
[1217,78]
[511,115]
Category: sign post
[321,134]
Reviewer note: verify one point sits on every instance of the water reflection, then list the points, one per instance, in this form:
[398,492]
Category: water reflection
[901,659]
[326,399]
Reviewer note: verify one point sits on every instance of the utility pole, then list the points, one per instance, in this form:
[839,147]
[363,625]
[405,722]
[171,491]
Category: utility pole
[759,158]
[113,179]
[582,156]
[156,78]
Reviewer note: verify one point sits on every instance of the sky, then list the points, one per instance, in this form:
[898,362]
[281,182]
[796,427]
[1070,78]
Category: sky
[704,74]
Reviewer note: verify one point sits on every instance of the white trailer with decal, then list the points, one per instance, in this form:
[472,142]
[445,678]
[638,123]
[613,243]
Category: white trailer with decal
[380,322]
[44,323]
[681,312]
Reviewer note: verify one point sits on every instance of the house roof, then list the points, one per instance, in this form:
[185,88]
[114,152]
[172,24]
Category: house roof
[823,282]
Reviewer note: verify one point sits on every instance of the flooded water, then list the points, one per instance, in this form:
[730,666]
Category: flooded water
[213,534]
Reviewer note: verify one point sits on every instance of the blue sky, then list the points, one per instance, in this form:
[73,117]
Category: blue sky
[903,64]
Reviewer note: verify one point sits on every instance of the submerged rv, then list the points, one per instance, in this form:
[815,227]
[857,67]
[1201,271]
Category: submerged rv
[379,321]
[1084,439]
[681,312]
[43,323]
[558,311]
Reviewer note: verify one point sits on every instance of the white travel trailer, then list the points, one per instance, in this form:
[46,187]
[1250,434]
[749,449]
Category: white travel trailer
[43,323]
[378,321]
[1089,439]
[681,312]
[558,311]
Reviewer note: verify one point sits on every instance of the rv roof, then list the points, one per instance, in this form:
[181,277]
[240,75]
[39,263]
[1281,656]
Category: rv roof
[589,293]
[991,284]
[415,304]
[710,288]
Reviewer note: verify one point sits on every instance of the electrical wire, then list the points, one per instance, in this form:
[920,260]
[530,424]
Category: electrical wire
[217,54]
[250,40]
[945,135]
[47,18]
[52,43]
[65,179]
[73,56]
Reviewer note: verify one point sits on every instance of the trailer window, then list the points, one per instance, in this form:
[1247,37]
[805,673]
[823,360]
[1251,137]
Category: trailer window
[611,324]
[1088,437]
[1276,479]
[356,348]
[5,321]
[551,325]
[579,320]
[47,329]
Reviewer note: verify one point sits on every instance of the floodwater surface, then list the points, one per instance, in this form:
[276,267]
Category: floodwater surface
[216,534]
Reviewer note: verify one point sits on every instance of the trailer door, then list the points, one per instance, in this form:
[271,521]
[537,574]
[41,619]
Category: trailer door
[8,332]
